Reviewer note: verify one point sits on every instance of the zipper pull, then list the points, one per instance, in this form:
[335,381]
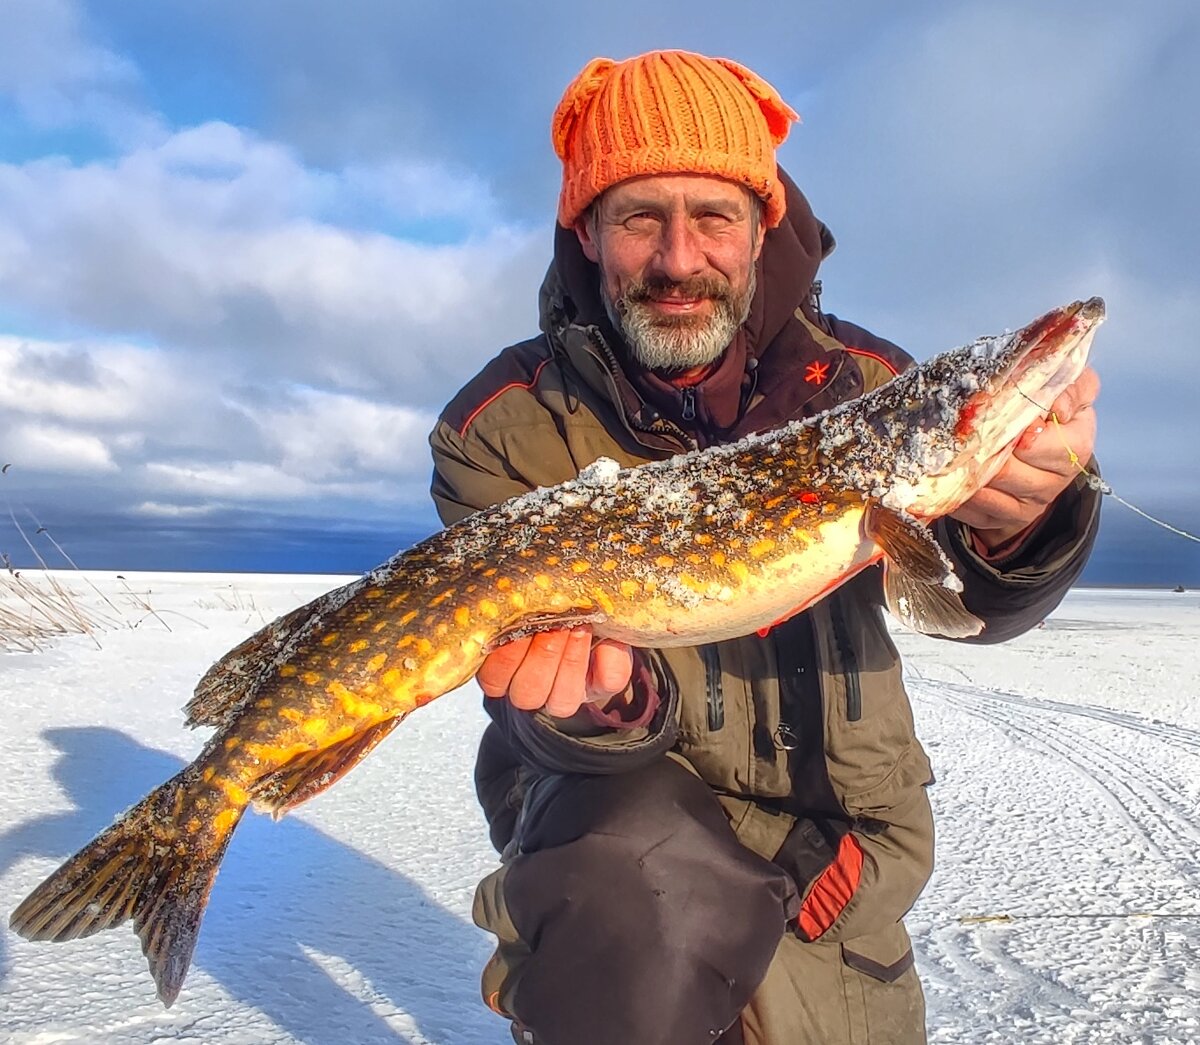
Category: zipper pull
[689,404]
[786,738]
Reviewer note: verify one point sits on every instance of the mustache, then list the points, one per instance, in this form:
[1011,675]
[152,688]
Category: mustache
[642,290]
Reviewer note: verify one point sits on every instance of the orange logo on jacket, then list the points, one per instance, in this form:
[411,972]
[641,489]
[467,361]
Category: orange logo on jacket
[815,373]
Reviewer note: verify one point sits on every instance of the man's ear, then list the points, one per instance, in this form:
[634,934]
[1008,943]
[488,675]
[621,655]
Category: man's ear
[583,230]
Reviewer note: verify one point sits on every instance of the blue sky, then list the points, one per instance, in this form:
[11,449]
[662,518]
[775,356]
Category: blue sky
[248,249]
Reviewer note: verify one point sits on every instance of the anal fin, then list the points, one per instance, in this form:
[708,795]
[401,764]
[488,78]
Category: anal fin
[919,583]
[306,775]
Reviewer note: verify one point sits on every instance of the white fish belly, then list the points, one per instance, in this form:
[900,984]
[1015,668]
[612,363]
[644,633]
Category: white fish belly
[776,584]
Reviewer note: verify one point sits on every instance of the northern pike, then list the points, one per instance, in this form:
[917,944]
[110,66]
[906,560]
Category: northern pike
[703,546]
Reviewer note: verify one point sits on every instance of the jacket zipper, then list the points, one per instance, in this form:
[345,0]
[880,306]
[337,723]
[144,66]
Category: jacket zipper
[660,425]
[688,411]
[849,664]
[716,696]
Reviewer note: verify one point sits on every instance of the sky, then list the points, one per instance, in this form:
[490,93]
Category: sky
[248,250]
[1064,908]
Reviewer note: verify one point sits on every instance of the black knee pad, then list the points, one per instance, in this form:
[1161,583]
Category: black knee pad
[647,920]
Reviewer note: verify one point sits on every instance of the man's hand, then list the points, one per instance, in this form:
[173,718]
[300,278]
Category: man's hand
[557,671]
[1039,469]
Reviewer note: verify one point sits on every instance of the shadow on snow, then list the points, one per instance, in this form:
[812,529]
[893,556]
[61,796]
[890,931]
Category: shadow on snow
[284,889]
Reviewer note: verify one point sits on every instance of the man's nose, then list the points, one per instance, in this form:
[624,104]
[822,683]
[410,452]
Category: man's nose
[679,252]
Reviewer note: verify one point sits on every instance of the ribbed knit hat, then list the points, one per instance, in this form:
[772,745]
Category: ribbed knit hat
[668,112]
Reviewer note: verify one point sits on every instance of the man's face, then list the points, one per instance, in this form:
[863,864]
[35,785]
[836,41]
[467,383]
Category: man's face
[676,255]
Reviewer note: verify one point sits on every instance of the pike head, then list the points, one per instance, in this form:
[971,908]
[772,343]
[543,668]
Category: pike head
[929,439]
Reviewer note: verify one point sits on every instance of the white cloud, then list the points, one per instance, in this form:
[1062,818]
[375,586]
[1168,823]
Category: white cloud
[324,436]
[416,189]
[160,510]
[70,382]
[209,241]
[235,480]
[60,77]
[50,448]
[174,437]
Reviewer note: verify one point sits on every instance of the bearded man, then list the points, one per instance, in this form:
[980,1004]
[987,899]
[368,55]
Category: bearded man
[715,843]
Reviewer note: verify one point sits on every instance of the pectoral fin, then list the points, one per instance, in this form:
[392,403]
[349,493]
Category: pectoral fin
[931,609]
[314,771]
[919,583]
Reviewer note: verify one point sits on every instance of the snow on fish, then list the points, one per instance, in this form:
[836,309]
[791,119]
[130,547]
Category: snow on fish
[701,547]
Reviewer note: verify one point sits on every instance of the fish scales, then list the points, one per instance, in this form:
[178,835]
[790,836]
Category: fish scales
[660,567]
[700,547]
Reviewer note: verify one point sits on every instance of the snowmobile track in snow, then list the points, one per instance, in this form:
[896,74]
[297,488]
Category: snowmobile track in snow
[1153,805]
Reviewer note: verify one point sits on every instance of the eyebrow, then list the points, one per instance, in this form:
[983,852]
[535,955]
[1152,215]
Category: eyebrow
[702,203]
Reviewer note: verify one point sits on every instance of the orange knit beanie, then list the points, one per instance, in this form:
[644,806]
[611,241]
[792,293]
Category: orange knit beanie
[668,112]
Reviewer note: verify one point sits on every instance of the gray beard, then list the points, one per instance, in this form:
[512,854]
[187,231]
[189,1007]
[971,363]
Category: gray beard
[683,344]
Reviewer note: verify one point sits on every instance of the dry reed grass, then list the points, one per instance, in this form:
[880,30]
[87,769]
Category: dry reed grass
[38,605]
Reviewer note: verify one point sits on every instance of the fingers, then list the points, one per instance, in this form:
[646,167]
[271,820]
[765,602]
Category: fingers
[569,689]
[1073,403]
[993,510]
[610,670]
[498,668]
[556,671]
[1077,397]
[546,655]
[1045,460]
[1020,492]
[1054,448]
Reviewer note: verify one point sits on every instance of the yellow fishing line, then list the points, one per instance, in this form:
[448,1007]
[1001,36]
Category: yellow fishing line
[1096,483]
[1063,439]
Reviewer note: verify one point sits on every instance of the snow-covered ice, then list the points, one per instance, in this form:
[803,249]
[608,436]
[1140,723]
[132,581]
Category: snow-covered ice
[1065,908]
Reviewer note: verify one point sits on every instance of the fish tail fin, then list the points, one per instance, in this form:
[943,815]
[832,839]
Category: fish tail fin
[142,867]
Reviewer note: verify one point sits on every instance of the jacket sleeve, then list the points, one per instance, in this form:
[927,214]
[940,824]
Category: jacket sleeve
[469,475]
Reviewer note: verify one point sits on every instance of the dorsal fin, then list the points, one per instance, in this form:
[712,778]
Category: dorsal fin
[223,688]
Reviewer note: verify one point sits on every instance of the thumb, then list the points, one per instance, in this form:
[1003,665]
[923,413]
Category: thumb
[611,667]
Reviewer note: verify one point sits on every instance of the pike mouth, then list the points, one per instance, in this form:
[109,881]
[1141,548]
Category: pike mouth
[1056,355]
